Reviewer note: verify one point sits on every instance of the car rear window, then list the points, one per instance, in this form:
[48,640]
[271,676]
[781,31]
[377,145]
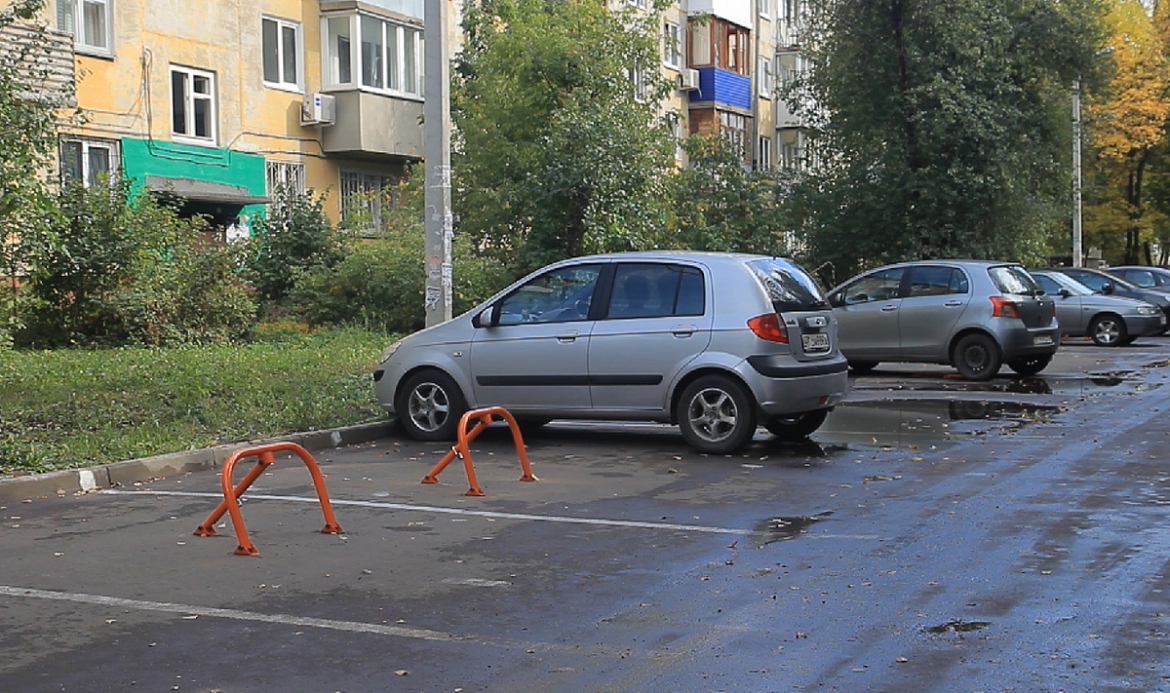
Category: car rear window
[789,287]
[1014,279]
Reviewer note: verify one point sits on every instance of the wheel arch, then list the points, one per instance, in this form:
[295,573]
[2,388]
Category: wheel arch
[455,374]
[958,336]
[691,376]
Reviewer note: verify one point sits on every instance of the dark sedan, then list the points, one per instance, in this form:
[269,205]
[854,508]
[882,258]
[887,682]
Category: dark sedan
[1106,283]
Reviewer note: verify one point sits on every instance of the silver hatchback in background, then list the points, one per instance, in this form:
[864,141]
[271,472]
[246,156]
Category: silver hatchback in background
[716,343]
[975,315]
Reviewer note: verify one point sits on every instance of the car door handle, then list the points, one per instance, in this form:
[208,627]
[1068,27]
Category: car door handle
[568,337]
[952,304]
[682,330]
[887,309]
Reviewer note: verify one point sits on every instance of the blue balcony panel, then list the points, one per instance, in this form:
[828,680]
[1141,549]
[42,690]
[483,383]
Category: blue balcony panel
[723,87]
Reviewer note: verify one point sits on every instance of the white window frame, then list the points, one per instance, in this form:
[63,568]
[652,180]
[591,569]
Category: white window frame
[189,102]
[764,162]
[764,8]
[764,77]
[87,174]
[74,15]
[672,46]
[399,61]
[638,76]
[298,64]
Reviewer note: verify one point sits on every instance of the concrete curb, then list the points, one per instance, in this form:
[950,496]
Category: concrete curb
[133,471]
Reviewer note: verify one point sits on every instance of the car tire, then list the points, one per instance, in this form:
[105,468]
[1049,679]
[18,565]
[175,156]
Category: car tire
[716,415]
[1030,365]
[862,367]
[1107,330]
[796,426]
[429,405]
[977,357]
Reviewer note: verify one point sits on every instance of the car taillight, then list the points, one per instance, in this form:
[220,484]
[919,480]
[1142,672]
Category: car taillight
[1003,308]
[769,327]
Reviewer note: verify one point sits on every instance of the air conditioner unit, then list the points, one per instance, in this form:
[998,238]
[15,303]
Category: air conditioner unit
[688,79]
[318,109]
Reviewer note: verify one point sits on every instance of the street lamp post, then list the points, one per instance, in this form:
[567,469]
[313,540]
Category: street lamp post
[439,225]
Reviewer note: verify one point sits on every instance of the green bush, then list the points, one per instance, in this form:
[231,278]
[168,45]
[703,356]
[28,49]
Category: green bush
[294,236]
[111,268]
[380,282]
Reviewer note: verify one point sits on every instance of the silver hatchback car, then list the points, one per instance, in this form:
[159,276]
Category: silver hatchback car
[975,315]
[716,343]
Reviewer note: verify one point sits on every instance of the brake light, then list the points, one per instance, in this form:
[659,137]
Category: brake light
[1003,308]
[769,327]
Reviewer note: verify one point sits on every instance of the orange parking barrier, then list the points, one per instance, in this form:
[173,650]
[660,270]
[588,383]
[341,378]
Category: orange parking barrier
[461,449]
[231,496]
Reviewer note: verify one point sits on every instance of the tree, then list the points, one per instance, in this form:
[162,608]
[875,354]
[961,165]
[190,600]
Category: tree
[940,126]
[1127,119]
[718,205]
[29,104]
[561,149]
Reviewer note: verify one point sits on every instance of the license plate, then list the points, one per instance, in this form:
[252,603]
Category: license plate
[817,341]
[1042,340]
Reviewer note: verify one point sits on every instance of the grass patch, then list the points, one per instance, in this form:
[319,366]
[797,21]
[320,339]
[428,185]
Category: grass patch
[73,408]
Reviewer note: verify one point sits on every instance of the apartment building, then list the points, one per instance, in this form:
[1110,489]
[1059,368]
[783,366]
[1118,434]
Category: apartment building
[220,102]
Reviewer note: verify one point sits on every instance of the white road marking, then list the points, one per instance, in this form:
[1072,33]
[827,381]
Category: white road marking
[234,614]
[458,511]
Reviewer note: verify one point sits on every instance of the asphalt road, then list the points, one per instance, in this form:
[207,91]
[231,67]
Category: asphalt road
[935,535]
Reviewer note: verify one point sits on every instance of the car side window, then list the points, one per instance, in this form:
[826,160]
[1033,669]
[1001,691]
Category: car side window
[1142,278]
[1093,281]
[655,290]
[928,280]
[879,286]
[561,295]
[1047,283]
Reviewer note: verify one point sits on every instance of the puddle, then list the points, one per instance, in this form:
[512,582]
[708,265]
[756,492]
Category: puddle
[958,626]
[1117,382]
[923,424]
[777,529]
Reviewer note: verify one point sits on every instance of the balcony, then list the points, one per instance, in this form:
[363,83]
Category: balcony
[723,87]
[43,61]
[374,126]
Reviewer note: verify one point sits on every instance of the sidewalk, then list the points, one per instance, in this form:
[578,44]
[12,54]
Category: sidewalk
[88,479]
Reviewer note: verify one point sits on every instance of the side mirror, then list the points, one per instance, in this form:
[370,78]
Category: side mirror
[1107,288]
[837,299]
[485,317]
[1064,293]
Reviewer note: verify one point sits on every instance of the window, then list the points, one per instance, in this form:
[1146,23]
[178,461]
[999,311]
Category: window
[88,21]
[287,175]
[282,53]
[389,54]
[671,45]
[700,44]
[362,198]
[719,43]
[637,75]
[764,77]
[193,104]
[879,286]
[653,291]
[928,280]
[561,295]
[88,161]
[764,8]
[733,127]
[764,163]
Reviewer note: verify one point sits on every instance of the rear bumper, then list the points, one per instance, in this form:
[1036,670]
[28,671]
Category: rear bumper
[783,387]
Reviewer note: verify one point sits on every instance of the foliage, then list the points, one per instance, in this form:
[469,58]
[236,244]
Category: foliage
[718,205]
[295,236]
[1127,122]
[108,267]
[942,126]
[74,408]
[380,281]
[560,152]
[28,120]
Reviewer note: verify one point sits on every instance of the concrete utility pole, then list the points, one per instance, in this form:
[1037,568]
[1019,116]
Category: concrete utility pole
[1076,166]
[437,153]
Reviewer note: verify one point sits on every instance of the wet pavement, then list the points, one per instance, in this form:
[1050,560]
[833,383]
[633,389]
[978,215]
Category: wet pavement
[935,535]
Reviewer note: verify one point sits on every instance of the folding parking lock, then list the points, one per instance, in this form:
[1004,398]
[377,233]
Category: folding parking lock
[483,417]
[231,496]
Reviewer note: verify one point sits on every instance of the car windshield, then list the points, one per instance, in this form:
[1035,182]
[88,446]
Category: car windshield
[1014,279]
[788,286]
